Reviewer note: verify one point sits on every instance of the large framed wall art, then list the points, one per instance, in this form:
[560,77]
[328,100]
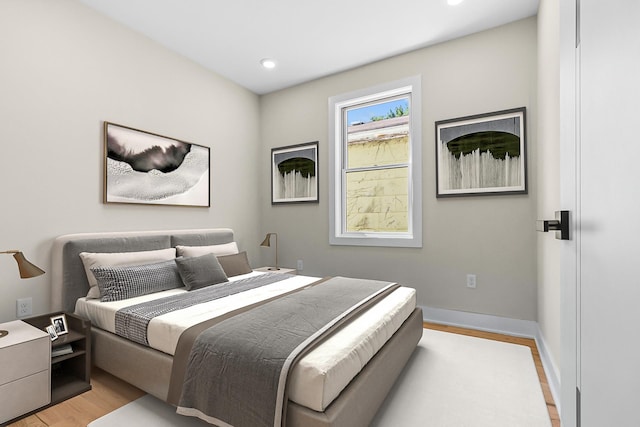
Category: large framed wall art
[146,168]
[483,154]
[294,173]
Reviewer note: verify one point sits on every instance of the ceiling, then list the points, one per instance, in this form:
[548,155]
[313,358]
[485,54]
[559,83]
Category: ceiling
[308,39]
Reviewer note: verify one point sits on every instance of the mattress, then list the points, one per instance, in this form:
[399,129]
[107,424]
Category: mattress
[320,375]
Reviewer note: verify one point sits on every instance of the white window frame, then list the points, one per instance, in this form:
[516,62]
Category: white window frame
[337,217]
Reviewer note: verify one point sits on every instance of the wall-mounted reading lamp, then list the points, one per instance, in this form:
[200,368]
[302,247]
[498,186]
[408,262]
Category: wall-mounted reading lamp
[560,225]
[27,270]
[267,243]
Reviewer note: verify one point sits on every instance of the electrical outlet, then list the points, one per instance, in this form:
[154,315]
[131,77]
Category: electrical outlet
[300,265]
[24,307]
[471,281]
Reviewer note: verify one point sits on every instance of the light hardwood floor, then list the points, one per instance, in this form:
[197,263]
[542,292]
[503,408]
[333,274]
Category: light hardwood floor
[110,393]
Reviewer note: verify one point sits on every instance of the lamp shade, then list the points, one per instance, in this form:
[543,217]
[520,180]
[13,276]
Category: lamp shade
[26,268]
[267,240]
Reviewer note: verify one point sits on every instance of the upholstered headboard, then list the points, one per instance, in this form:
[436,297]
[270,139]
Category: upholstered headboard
[68,277]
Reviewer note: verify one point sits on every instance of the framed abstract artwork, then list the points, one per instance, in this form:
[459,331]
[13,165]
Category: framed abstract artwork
[146,168]
[483,154]
[294,173]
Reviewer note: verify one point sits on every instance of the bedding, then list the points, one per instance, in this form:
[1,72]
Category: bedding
[92,260]
[132,321]
[164,331]
[200,271]
[235,265]
[118,283]
[249,354]
[317,379]
[218,250]
[340,382]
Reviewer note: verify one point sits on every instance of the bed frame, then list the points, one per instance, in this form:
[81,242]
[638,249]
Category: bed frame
[150,370]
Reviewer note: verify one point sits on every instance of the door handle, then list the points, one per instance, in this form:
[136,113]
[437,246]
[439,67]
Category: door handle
[560,225]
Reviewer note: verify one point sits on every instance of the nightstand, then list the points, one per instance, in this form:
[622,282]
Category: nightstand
[70,373]
[25,370]
[282,270]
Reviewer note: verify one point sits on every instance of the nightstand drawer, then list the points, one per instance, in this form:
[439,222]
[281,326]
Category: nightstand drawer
[23,352]
[24,395]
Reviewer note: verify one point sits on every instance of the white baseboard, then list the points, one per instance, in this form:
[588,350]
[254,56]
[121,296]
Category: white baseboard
[550,369]
[501,325]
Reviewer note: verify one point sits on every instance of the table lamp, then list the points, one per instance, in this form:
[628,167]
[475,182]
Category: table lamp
[27,270]
[267,243]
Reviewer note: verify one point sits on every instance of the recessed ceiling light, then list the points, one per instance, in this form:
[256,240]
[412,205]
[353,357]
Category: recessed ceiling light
[454,2]
[268,63]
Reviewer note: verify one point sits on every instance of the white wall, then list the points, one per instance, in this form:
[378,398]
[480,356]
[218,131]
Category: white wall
[65,69]
[548,174]
[493,237]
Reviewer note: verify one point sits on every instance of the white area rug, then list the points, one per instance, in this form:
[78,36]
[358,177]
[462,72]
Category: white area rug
[453,381]
[450,381]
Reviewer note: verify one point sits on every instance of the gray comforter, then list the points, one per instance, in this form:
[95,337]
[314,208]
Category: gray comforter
[237,370]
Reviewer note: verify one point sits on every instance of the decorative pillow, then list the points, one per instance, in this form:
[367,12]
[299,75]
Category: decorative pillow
[118,283]
[236,264]
[200,272]
[217,250]
[93,260]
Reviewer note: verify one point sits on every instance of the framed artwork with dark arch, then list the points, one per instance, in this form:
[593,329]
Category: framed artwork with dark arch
[485,154]
[294,173]
[146,168]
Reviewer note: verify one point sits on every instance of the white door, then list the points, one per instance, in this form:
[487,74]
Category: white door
[608,195]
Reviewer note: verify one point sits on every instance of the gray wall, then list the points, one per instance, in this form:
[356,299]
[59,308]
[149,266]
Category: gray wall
[65,69]
[493,237]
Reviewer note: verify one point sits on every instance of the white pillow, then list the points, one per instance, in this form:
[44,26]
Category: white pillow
[93,260]
[217,250]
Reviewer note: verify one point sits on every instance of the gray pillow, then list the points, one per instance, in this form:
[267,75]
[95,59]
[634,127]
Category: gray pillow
[200,271]
[118,283]
[236,264]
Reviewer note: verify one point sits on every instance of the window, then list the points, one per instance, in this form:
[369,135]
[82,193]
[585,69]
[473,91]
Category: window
[375,166]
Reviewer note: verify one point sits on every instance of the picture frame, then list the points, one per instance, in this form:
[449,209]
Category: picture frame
[294,174]
[484,154]
[141,167]
[59,323]
[52,332]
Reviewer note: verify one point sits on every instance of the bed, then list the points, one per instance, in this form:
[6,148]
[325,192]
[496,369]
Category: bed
[149,365]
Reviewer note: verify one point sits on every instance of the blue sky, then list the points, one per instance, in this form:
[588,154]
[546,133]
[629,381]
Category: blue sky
[364,114]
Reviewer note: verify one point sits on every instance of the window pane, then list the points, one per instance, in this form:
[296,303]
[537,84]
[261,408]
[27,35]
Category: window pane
[375,192]
[378,134]
[377,200]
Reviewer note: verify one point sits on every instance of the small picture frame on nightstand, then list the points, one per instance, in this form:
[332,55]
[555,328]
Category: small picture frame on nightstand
[52,332]
[59,323]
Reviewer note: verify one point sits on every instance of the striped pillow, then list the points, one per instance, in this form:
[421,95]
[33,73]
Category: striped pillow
[118,283]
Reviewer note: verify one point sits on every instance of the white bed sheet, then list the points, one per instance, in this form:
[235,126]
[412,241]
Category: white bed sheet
[164,331]
[320,376]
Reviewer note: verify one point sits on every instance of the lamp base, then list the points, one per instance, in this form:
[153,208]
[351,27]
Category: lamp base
[3,333]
